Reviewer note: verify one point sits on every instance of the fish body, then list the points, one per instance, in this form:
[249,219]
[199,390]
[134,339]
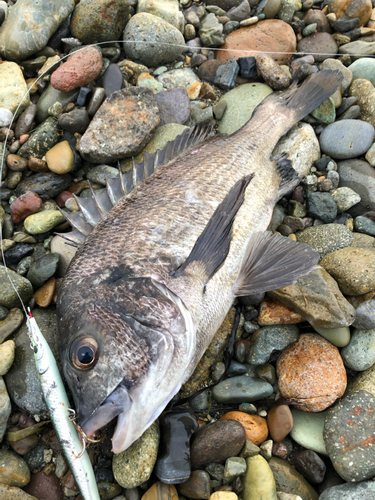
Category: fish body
[153,281]
[58,405]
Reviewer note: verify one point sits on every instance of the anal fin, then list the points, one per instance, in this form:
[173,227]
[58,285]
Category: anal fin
[212,246]
[271,262]
[289,177]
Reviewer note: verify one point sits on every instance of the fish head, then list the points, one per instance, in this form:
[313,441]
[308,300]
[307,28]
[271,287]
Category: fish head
[124,354]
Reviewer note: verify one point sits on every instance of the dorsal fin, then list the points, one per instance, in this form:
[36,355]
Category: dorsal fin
[95,207]
[289,177]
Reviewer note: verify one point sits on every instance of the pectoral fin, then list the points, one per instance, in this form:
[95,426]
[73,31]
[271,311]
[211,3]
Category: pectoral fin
[271,262]
[212,246]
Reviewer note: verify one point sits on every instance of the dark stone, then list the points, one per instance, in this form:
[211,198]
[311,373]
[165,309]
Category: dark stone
[248,67]
[2,16]
[45,184]
[207,70]
[216,442]
[173,464]
[346,24]
[364,225]
[230,26]
[112,79]
[197,486]
[303,72]
[236,368]
[321,45]
[342,218]
[68,136]
[41,140]
[322,163]
[345,104]
[63,31]
[359,176]
[76,120]
[174,105]
[252,300]
[310,465]
[41,270]
[226,75]
[84,92]
[43,487]
[14,254]
[35,457]
[198,59]
[321,206]
[350,491]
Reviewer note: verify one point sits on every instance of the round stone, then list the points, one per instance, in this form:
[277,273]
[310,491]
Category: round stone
[7,350]
[347,139]
[242,389]
[269,339]
[159,491]
[308,430]
[321,206]
[310,465]
[197,486]
[280,422]
[258,481]
[322,45]
[363,68]
[8,296]
[43,221]
[255,427]
[326,238]
[312,373]
[14,470]
[60,158]
[359,354]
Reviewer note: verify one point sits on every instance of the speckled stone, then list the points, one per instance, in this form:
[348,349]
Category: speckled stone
[157,490]
[326,238]
[13,88]
[311,371]
[349,436]
[10,324]
[134,466]
[44,221]
[8,297]
[269,339]
[347,139]
[256,427]
[290,481]
[242,389]
[43,138]
[350,491]
[272,312]
[6,356]
[14,470]
[359,354]
[258,480]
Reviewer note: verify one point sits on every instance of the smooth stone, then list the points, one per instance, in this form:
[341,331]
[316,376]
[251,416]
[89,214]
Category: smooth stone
[350,491]
[214,443]
[41,270]
[6,117]
[29,26]
[157,490]
[66,253]
[364,225]
[14,493]
[321,45]
[99,20]
[359,176]
[44,486]
[3,310]
[345,198]
[224,495]
[44,221]
[290,481]
[363,68]
[325,112]
[47,185]
[145,27]
[280,422]
[339,337]
[234,467]
[99,174]
[134,466]
[348,434]
[49,97]
[347,139]
[272,73]
[365,315]
[180,77]
[174,106]
[60,158]
[242,389]
[197,486]
[258,481]
[269,339]
[173,464]
[14,470]
[302,147]
[241,103]
[318,299]
[76,120]
[321,206]
[5,411]
[359,354]
[310,465]
[125,138]
[42,139]
[43,296]
[326,238]
[308,430]
[249,450]
[358,49]
[17,252]
[13,88]
[255,426]
[8,296]
[10,324]
[211,31]
[113,79]
[165,9]
[148,81]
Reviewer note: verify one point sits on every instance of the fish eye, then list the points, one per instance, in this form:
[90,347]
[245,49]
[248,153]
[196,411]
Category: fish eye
[84,352]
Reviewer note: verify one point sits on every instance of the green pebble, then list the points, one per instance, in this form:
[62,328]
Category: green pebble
[326,111]
[308,430]
[339,337]
[258,481]
[42,222]
[309,29]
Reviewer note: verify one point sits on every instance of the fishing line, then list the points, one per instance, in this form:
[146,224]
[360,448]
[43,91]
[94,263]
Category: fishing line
[152,44]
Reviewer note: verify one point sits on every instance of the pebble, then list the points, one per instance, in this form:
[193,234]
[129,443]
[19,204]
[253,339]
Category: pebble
[325,112]
[359,354]
[27,204]
[289,480]
[60,158]
[14,470]
[43,138]
[174,106]
[347,139]
[76,120]
[308,430]
[99,20]
[311,372]
[234,467]
[214,443]
[211,31]
[112,79]
[272,312]
[8,296]
[365,315]
[42,486]
[242,389]
[169,11]
[321,206]
[44,221]
[132,134]
[197,486]
[41,270]
[350,491]
[157,491]
[267,340]
[223,495]
[322,45]
[226,74]
[14,493]
[10,324]
[249,450]
[359,176]
[13,87]
[7,350]
[17,252]
[345,198]
[255,427]
[326,238]
[49,97]
[43,296]
[6,117]
[147,27]
[348,434]
[258,481]
[318,299]
[364,225]
[134,466]
[280,422]
[310,465]
[5,411]
[26,120]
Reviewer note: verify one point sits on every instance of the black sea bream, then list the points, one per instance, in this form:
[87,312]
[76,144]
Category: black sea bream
[156,274]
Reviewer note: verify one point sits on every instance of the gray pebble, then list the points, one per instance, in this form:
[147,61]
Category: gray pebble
[359,354]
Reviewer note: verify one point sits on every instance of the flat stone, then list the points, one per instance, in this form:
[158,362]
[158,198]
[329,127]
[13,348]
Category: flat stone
[269,339]
[21,38]
[350,491]
[174,105]
[326,238]
[242,389]
[272,312]
[359,354]
[258,481]
[113,79]
[14,493]
[348,434]
[347,139]
[145,27]
[317,298]
[134,466]
[256,428]
[14,470]
[76,120]
[308,430]
[321,206]
[46,185]
[121,127]
[41,270]
[280,422]
[321,45]
[290,481]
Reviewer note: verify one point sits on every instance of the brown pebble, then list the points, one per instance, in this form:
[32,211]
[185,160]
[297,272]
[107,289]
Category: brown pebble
[312,373]
[17,163]
[38,165]
[279,450]
[62,198]
[280,422]
[272,312]
[275,76]
[44,487]
[43,296]
[161,491]
[27,204]
[26,421]
[23,138]
[255,427]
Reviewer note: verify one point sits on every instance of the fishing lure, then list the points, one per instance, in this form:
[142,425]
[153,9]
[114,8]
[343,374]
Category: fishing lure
[57,401]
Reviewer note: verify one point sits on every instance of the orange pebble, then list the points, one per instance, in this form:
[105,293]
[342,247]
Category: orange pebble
[255,427]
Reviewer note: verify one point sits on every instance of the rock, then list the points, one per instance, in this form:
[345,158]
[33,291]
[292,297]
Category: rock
[365,92]
[76,120]
[311,371]
[181,77]
[359,176]
[349,10]
[270,35]
[226,74]
[280,422]
[272,312]
[207,70]
[350,491]
[6,117]
[41,270]
[157,490]
[176,428]
[10,324]
[352,268]
[273,74]
[145,27]
[241,103]
[14,470]
[6,356]
[258,481]
[108,139]
[214,443]
[211,31]
[8,297]
[169,11]
[321,206]
[27,204]
[174,106]
[13,88]
[113,79]
[17,252]
[60,158]
[363,68]
[326,238]
[364,225]
[99,20]
[146,80]
[5,411]
[13,493]
[335,64]
[223,495]
[310,465]
[318,43]
[49,97]
[242,389]
[81,68]
[45,184]
[249,450]
[308,430]
[44,295]
[348,434]
[345,198]
[44,137]
[234,467]
[66,253]
[255,427]
[365,315]
[19,39]
[290,481]
[359,354]
[197,486]
[42,486]
[43,222]
[269,339]
[347,139]
[133,466]
[317,298]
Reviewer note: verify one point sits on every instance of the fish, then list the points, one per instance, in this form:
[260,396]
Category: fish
[58,405]
[162,255]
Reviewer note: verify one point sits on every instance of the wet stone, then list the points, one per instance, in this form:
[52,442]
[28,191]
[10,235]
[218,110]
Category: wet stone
[350,491]
[8,297]
[173,464]
[290,481]
[226,74]
[242,389]
[256,428]
[44,137]
[321,206]
[214,443]
[17,252]
[310,465]
[46,185]
[365,315]
[174,105]
[348,434]
[359,354]
[76,120]
[269,339]
[258,481]
[364,225]
[197,486]
[280,422]
[112,79]
[43,269]
[157,490]
[14,470]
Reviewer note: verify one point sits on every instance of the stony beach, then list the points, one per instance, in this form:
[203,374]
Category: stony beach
[87,84]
